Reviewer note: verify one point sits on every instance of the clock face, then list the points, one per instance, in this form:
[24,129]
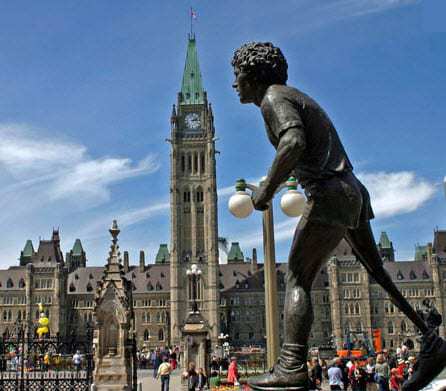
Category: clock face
[192,121]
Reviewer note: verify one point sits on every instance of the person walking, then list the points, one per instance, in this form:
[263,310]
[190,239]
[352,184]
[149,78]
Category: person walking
[335,375]
[163,372]
[382,373]
[233,376]
[202,380]
[370,371]
[192,377]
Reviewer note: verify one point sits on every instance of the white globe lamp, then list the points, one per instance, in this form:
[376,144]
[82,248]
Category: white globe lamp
[292,202]
[240,204]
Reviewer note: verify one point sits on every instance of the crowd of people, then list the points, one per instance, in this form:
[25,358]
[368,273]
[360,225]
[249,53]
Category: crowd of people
[385,373]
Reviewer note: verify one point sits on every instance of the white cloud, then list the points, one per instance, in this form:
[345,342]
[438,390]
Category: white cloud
[39,169]
[396,193]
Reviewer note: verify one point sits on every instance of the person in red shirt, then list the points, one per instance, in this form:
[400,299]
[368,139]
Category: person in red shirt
[395,379]
[233,371]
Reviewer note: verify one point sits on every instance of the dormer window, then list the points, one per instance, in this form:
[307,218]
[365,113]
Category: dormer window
[400,275]
[412,275]
[72,288]
[162,275]
[9,283]
[425,275]
[159,287]
[22,283]
[149,287]
[90,276]
[76,277]
[89,287]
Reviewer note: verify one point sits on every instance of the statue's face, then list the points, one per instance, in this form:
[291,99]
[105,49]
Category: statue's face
[245,86]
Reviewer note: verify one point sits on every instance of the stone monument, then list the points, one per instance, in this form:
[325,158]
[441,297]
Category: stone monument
[114,325]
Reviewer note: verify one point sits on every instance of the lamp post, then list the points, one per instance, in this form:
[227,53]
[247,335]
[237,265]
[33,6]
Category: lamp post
[222,339]
[194,274]
[292,204]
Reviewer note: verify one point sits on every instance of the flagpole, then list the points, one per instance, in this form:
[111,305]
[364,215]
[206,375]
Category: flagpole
[191,22]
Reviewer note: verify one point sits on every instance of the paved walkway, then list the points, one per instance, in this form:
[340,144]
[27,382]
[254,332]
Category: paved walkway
[151,384]
[145,377]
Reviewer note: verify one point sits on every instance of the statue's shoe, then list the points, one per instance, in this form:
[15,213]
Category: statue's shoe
[280,379]
[430,362]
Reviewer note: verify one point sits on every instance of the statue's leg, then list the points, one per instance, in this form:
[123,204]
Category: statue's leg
[432,357]
[312,244]
[363,243]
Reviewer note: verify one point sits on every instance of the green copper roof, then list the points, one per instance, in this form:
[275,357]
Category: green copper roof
[77,248]
[192,87]
[28,250]
[235,253]
[420,253]
[163,255]
[384,241]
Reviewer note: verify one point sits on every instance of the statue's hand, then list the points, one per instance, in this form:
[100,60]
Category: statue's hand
[260,199]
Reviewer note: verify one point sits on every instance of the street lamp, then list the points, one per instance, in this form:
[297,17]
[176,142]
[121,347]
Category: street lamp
[194,274]
[292,203]
[222,339]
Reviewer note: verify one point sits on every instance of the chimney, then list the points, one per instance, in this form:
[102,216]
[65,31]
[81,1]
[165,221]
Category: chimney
[126,261]
[254,261]
[142,261]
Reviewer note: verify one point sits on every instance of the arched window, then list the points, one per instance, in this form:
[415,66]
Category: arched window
[357,309]
[72,288]
[403,326]
[146,335]
[390,328]
[89,287]
[9,283]
[346,309]
[195,163]
[158,317]
[189,163]
[183,163]
[21,283]
[203,169]
[149,287]
[161,335]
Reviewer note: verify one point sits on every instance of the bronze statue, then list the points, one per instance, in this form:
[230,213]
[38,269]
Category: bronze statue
[308,147]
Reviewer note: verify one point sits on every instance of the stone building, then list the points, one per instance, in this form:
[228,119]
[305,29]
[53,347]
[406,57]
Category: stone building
[348,303]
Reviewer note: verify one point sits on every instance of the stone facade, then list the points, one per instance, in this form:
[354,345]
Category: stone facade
[347,302]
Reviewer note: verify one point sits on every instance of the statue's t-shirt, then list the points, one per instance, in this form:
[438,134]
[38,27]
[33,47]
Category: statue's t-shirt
[323,168]
[285,107]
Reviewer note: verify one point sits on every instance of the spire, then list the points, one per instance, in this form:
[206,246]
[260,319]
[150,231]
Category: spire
[191,88]
[235,253]
[77,249]
[28,250]
[384,240]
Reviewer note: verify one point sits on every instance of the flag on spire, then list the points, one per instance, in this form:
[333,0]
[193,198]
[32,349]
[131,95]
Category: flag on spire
[193,13]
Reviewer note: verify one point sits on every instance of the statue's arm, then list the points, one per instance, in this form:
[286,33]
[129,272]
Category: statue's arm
[289,150]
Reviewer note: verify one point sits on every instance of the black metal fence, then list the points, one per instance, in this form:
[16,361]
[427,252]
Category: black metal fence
[47,364]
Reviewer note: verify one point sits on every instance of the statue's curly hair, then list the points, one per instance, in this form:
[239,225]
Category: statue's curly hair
[262,59]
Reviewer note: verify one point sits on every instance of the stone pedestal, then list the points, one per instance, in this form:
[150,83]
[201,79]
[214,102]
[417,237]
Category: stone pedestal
[195,341]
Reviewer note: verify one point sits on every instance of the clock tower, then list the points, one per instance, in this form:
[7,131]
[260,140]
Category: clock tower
[193,202]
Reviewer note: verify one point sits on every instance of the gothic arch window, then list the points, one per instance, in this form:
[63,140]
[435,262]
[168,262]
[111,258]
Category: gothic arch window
[195,163]
[21,283]
[158,317]
[346,309]
[158,287]
[400,275]
[72,288]
[90,276]
[357,309]
[183,163]
[89,287]
[390,328]
[403,326]
[9,283]
[161,335]
[412,275]
[146,335]
[189,163]
[149,287]
[202,163]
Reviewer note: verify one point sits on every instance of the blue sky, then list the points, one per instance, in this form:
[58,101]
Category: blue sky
[87,89]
